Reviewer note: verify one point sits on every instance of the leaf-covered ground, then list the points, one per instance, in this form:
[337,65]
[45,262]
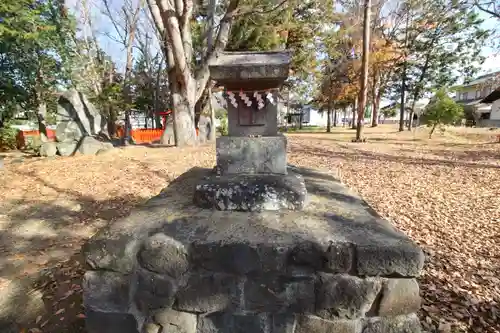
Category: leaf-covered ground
[444,193]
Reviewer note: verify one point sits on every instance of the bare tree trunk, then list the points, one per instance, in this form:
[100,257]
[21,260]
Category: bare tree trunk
[183,105]
[42,106]
[287,109]
[42,122]
[410,119]
[335,117]
[132,28]
[186,86]
[93,68]
[167,136]
[211,27]
[328,111]
[156,101]
[364,73]
[403,80]
[126,135]
[403,98]
[432,130]
[376,109]
[376,95]
[328,120]
[354,111]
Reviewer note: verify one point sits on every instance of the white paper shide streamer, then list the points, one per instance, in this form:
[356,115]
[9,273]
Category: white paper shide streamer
[245,98]
[259,96]
[232,99]
[270,97]
[260,100]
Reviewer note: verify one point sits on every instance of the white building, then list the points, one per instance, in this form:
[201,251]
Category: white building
[492,100]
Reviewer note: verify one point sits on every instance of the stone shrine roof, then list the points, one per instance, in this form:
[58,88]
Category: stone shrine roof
[250,66]
[252,58]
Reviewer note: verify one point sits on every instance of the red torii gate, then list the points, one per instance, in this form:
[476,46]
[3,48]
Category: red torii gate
[164,115]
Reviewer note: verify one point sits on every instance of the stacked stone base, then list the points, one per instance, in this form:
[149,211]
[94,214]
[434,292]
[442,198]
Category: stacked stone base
[204,301]
[332,268]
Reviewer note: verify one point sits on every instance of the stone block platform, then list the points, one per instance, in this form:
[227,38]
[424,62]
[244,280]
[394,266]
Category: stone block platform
[334,267]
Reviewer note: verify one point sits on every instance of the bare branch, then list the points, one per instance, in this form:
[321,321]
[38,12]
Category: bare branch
[254,11]
[203,74]
[186,29]
[494,12]
[112,19]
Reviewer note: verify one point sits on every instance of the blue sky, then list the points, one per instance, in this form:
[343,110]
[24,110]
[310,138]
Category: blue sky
[492,62]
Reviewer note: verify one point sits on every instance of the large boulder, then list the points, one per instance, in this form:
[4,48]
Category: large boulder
[90,146]
[66,148]
[48,149]
[74,106]
[69,131]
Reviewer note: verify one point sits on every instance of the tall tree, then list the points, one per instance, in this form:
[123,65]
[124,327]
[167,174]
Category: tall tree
[258,25]
[364,69]
[187,83]
[445,41]
[33,42]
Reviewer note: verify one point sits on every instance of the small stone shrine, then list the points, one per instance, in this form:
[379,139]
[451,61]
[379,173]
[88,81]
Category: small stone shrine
[251,172]
[254,258]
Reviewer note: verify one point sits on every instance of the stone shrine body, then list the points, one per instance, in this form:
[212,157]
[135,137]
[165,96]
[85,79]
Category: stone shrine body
[251,172]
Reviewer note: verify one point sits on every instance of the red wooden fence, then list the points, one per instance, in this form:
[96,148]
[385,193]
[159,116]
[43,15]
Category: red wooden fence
[23,137]
[141,135]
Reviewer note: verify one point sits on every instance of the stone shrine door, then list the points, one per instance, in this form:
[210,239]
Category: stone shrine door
[251,116]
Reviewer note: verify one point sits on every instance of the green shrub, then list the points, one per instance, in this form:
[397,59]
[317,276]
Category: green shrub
[8,137]
[442,110]
[223,127]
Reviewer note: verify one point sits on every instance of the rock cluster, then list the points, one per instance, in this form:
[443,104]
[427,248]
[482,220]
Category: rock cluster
[80,128]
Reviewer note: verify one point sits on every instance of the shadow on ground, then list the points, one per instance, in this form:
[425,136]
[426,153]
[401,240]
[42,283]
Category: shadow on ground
[41,266]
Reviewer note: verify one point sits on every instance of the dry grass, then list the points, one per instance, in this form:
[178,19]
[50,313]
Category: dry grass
[444,193]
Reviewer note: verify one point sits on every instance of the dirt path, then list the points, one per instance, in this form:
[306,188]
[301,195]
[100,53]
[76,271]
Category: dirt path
[443,193]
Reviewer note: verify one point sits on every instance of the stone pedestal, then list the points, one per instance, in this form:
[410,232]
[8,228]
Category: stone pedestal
[249,193]
[334,267]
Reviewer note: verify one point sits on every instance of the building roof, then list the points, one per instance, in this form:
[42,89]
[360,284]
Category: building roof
[495,94]
[480,79]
